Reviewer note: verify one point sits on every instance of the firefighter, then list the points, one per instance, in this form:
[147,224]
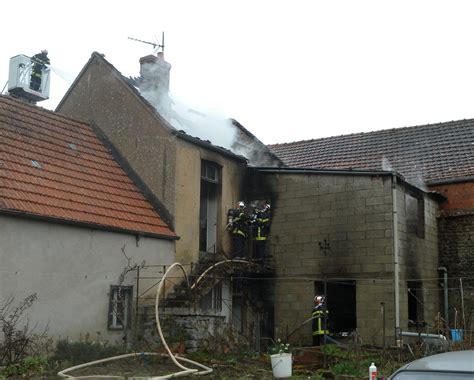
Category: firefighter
[261,228]
[40,61]
[320,321]
[238,226]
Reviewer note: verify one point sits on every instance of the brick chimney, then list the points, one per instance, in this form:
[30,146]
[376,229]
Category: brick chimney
[155,74]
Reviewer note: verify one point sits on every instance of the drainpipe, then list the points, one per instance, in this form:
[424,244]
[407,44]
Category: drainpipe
[445,287]
[396,265]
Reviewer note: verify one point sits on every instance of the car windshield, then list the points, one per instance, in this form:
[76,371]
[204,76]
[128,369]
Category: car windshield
[412,375]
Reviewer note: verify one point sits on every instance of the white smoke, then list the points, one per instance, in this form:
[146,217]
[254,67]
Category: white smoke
[416,178]
[205,124]
[386,164]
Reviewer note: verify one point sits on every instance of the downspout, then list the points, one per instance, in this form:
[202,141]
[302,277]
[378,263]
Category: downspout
[445,286]
[396,264]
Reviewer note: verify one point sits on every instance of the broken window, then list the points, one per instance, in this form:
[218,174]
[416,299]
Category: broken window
[120,307]
[341,304]
[415,304]
[208,207]
[415,214]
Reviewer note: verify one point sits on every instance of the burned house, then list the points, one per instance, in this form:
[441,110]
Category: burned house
[366,236]
[433,158]
[196,179]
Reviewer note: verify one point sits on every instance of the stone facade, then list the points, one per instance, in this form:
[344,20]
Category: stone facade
[337,228]
[456,231]
[170,166]
[456,252]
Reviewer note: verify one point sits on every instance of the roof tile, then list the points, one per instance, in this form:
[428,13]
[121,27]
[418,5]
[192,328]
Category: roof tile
[428,152]
[75,183]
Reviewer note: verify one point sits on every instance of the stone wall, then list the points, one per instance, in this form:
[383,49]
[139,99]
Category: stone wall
[456,235]
[195,329]
[336,228]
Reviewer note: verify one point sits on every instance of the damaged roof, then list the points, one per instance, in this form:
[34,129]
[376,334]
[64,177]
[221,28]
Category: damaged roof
[56,168]
[433,152]
[132,84]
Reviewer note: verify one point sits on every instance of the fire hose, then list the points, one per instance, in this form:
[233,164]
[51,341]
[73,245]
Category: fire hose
[175,358]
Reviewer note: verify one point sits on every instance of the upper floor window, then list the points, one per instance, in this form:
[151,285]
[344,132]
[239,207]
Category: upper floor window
[415,214]
[209,202]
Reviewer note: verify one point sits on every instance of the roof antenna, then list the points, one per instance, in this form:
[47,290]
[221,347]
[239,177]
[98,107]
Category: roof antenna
[156,46]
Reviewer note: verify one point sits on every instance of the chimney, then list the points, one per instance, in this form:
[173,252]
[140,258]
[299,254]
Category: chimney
[155,74]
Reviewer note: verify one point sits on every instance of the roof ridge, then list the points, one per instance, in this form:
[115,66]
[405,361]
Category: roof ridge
[439,124]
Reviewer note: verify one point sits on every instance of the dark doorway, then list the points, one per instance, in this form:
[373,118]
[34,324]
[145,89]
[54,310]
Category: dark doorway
[341,304]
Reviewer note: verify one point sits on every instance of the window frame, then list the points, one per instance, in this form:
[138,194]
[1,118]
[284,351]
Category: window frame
[113,322]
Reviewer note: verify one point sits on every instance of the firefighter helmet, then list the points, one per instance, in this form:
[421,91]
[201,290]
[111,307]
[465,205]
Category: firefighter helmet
[240,204]
[319,299]
[44,51]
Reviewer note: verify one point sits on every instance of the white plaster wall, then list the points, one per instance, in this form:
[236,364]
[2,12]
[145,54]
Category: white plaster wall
[71,269]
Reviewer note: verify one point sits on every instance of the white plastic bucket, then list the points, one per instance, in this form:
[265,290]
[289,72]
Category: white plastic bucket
[281,365]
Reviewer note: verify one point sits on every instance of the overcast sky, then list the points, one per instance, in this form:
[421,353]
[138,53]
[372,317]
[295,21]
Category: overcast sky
[286,70]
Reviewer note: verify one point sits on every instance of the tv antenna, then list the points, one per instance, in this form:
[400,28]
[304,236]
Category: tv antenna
[156,46]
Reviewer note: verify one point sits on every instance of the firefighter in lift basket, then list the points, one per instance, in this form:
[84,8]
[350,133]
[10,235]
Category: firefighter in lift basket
[40,61]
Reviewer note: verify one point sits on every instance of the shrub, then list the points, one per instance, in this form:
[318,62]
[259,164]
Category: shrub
[19,339]
[28,367]
[84,350]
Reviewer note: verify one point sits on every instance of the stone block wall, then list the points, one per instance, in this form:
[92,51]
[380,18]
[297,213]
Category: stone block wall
[330,227]
[456,235]
[419,260]
[339,227]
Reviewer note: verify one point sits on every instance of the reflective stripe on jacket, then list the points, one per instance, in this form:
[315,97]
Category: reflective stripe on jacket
[318,322]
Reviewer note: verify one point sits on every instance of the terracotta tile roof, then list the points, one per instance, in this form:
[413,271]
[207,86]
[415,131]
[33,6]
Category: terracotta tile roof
[57,168]
[421,153]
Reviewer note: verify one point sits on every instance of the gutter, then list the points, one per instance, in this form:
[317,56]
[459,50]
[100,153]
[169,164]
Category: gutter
[208,145]
[102,227]
[434,195]
[449,181]
[322,171]
[396,264]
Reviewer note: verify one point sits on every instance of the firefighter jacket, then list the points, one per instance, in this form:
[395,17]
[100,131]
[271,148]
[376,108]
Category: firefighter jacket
[238,222]
[261,224]
[319,327]
[40,61]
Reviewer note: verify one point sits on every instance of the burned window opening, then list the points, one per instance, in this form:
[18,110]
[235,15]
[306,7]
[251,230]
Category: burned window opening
[208,207]
[341,304]
[415,214]
[415,303]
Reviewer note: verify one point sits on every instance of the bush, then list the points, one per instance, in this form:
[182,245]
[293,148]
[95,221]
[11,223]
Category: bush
[84,351]
[19,339]
[28,367]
